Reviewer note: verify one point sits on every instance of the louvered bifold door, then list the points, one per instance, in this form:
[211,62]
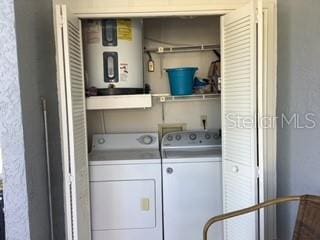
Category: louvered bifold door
[73,122]
[239,107]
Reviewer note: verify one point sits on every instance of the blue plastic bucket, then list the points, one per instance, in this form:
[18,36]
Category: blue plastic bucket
[181,80]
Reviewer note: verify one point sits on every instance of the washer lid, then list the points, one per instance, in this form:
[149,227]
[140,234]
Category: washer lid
[193,153]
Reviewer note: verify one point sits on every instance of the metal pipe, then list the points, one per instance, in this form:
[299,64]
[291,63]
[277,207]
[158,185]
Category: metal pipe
[45,120]
[246,210]
[162,112]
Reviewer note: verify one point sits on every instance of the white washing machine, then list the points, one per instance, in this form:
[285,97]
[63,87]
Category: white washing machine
[125,187]
[192,184]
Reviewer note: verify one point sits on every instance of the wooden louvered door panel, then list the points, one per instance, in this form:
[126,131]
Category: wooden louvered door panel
[73,122]
[239,108]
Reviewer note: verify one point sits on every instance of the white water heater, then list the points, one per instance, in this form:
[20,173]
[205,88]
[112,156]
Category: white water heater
[113,54]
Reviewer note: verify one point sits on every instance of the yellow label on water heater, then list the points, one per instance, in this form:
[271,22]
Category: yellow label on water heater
[124,29]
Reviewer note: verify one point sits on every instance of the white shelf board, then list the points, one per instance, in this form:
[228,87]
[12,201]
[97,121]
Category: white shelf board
[119,102]
[166,97]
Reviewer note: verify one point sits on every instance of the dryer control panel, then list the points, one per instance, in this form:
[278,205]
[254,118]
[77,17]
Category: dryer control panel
[182,139]
[125,141]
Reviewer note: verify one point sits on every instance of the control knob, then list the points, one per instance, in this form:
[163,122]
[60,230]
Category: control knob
[207,136]
[147,139]
[193,136]
[169,138]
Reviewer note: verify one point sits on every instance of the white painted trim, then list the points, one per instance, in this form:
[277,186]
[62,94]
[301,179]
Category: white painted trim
[270,93]
[151,14]
[161,11]
[260,103]
[63,118]
[269,109]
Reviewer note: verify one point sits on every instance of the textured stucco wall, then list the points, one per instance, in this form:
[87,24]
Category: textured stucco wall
[298,92]
[36,57]
[12,139]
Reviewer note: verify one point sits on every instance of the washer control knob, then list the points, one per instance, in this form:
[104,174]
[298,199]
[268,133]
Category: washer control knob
[169,138]
[207,136]
[178,137]
[101,140]
[169,170]
[193,136]
[216,136]
[147,139]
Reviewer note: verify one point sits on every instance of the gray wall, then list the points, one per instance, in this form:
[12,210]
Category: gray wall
[36,57]
[298,92]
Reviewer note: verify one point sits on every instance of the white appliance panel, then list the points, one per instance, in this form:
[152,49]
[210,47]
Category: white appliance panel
[128,204]
[129,52]
[191,195]
[120,171]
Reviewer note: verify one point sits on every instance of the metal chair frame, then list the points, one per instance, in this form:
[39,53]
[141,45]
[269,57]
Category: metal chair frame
[247,210]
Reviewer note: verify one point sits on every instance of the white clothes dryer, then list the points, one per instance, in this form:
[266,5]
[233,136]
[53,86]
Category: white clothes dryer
[125,187]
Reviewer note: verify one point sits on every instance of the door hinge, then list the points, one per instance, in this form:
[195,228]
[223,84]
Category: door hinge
[258,16]
[60,20]
[70,179]
[258,172]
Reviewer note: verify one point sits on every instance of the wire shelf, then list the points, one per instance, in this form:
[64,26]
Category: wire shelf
[166,97]
[182,49]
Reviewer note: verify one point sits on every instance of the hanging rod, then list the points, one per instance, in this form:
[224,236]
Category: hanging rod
[195,48]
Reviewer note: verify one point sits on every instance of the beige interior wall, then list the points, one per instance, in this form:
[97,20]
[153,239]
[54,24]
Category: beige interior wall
[200,30]
[177,32]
